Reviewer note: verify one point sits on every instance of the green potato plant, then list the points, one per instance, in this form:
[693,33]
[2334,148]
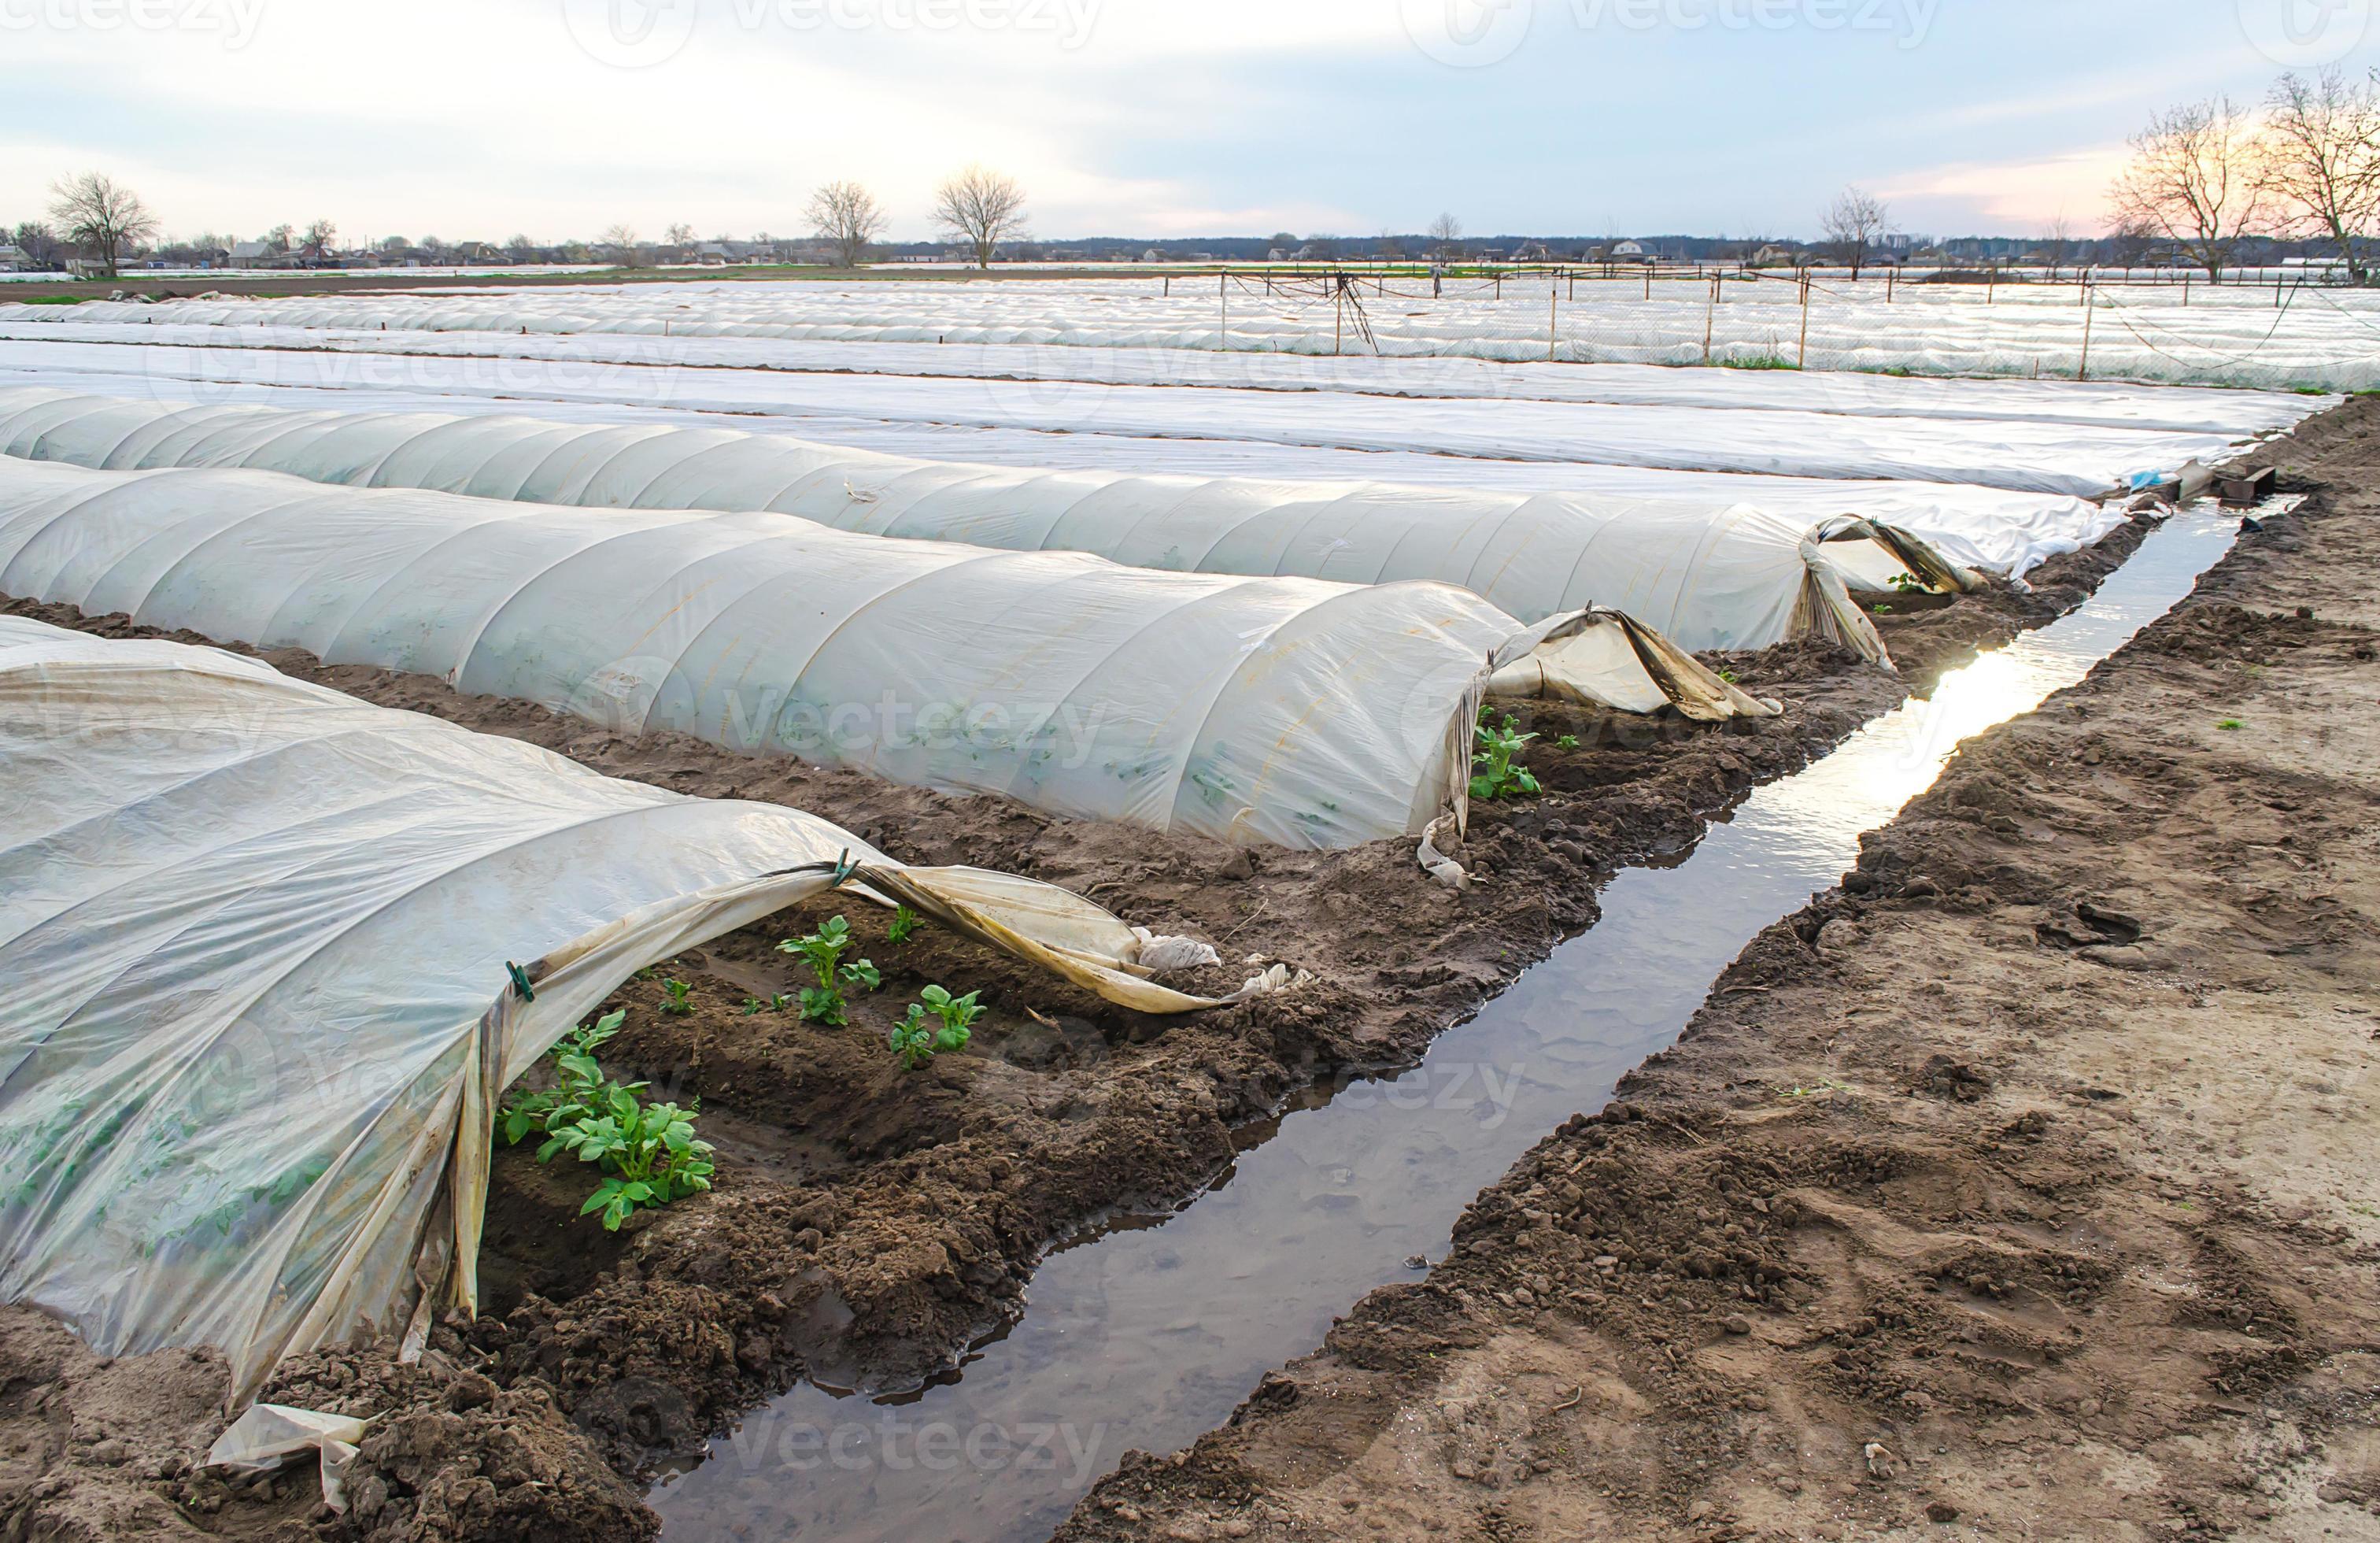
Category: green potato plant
[1495,771]
[825,1003]
[919,1037]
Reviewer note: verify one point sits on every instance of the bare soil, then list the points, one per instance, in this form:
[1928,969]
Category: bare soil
[2022,1187]
[871,1221]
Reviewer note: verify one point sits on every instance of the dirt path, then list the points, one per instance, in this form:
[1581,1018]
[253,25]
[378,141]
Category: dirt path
[2022,1187]
[871,1221]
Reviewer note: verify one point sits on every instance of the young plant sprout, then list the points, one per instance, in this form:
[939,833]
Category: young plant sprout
[678,999]
[1908,583]
[918,1039]
[1495,772]
[904,922]
[755,1006]
[824,1003]
[650,1155]
[578,1087]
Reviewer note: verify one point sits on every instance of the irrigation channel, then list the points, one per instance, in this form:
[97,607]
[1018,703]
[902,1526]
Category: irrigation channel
[1150,1332]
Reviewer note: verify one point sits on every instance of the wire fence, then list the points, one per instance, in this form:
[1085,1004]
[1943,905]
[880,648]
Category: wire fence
[2279,328]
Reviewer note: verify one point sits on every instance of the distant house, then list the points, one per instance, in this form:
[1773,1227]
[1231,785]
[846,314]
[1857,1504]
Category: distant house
[1773,257]
[1533,251]
[14,261]
[256,254]
[1277,255]
[1631,251]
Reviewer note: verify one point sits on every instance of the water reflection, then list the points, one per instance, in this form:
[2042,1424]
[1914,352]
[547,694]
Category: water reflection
[1145,1337]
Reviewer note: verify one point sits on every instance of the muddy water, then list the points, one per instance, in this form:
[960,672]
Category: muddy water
[1151,1332]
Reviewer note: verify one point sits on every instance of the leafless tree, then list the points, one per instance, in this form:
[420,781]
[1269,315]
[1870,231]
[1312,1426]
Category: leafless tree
[2056,240]
[981,208]
[318,239]
[2324,143]
[680,235]
[1852,223]
[846,216]
[101,214]
[38,242]
[1446,236]
[620,241]
[520,249]
[2200,179]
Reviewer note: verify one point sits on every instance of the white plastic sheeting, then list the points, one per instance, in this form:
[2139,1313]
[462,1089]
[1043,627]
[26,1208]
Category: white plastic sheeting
[256,936]
[1731,577]
[1288,710]
[2228,335]
[416,329]
[2028,457]
[1990,530]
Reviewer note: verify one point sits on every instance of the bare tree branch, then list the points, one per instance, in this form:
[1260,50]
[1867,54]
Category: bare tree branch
[2200,179]
[981,208]
[101,214]
[846,217]
[2324,143]
[1446,236]
[1852,223]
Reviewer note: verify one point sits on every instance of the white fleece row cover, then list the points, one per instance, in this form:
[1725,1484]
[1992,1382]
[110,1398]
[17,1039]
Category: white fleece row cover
[1286,711]
[2031,457]
[2228,336]
[256,935]
[1704,578]
[418,327]
[1989,529]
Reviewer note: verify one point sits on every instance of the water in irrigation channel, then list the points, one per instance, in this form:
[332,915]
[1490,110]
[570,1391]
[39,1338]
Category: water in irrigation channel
[1150,1333]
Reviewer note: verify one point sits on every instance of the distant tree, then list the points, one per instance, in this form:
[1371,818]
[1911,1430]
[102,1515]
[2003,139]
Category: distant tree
[2323,140]
[2199,179]
[281,239]
[520,249]
[680,235]
[38,242]
[981,208]
[102,215]
[318,239]
[394,246]
[1852,225]
[1446,236]
[620,244]
[1388,248]
[846,217]
[2056,241]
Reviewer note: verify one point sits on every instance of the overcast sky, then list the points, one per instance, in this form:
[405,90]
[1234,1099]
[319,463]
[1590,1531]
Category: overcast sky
[479,119]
